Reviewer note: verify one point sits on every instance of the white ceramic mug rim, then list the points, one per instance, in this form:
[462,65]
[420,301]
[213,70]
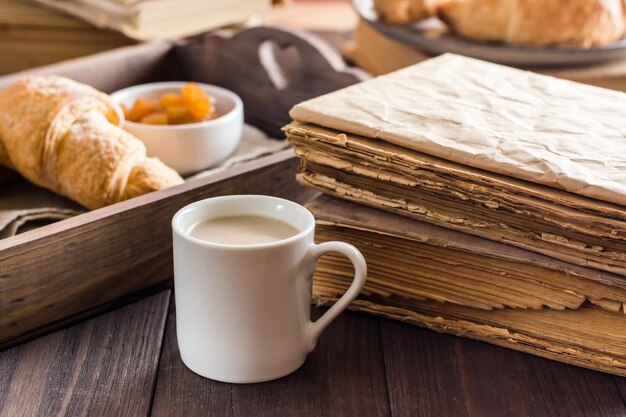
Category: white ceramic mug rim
[292,206]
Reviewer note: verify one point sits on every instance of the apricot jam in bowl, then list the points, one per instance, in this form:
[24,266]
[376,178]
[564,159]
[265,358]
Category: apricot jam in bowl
[188,126]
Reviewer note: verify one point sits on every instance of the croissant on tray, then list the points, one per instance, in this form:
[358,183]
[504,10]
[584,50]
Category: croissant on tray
[65,136]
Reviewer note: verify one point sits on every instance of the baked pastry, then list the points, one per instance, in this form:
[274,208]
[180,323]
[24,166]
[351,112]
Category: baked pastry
[65,136]
[404,11]
[537,22]
[525,22]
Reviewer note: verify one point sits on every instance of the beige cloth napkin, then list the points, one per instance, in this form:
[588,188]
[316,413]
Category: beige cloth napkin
[24,206]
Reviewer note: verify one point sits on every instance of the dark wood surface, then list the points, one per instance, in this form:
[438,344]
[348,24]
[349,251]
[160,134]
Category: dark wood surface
[106,366]
[126,363]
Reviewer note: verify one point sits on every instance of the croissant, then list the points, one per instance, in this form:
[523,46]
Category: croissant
[65,136]
[404,11]
[537,22]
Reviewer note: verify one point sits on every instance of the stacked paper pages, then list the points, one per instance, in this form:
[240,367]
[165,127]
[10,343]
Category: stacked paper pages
[504,154]
[534,164]
[460,284]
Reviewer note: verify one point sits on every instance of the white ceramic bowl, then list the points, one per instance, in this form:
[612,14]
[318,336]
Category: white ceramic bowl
[192,147]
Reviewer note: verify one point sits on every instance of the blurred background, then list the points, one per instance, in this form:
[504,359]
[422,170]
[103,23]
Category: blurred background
[35,33]
[584,41]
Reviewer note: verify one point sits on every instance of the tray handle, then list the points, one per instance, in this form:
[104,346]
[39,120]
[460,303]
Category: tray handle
[272,68]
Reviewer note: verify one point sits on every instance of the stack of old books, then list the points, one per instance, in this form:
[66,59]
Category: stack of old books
[509,197]
[31,36]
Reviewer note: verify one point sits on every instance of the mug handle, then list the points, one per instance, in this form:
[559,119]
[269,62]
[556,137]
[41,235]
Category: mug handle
[315,328]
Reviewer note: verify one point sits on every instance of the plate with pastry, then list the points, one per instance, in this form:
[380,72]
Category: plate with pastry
[522,33]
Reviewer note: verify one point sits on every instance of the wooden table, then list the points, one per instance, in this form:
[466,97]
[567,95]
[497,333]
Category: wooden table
[126,363]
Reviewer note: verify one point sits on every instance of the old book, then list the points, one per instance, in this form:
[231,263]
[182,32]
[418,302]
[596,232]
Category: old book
[33,36]
[472,287]
[507,155]
[161,19]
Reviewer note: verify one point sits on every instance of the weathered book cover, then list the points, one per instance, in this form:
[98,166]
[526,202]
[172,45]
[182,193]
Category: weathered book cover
[456,283]
[543,130]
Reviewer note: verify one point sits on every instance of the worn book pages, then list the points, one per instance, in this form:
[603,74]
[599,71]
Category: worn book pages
[514,329]
[456,283]
[527,126]
[566,226]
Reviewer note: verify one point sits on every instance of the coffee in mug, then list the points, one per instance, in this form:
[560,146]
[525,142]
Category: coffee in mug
[242,229]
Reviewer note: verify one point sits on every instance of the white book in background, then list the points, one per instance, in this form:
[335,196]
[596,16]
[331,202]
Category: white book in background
[33,35]
[161,19]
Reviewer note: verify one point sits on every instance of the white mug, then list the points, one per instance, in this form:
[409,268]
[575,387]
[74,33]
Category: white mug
[243,312]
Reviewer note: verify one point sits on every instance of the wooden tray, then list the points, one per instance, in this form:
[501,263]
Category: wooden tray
[60,273]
